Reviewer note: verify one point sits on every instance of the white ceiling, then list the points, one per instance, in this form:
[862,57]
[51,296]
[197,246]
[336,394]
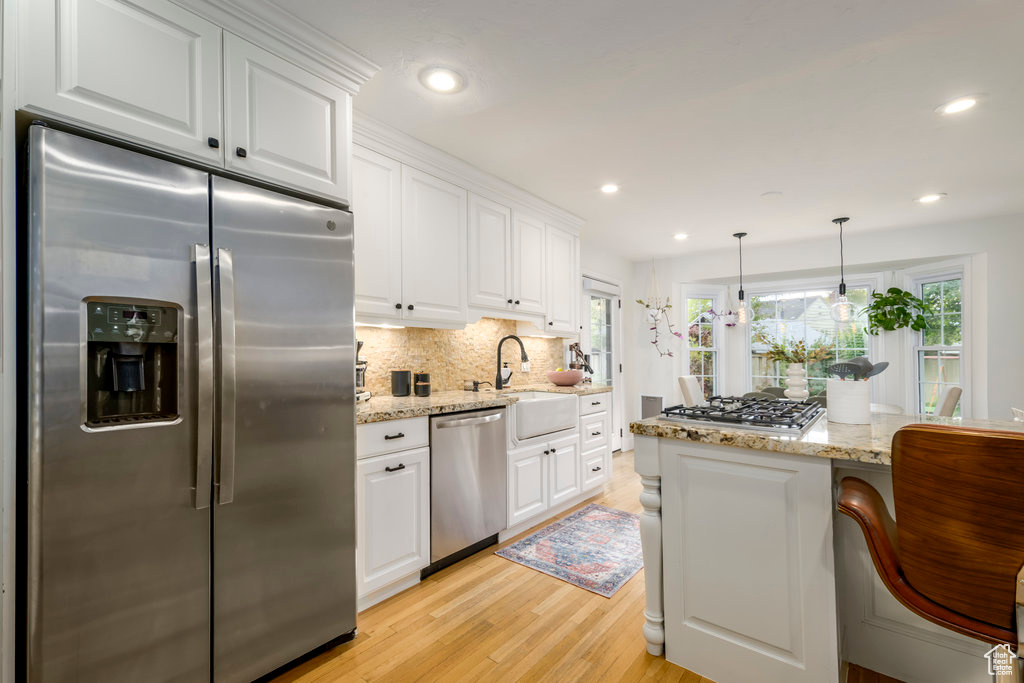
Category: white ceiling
[696,108]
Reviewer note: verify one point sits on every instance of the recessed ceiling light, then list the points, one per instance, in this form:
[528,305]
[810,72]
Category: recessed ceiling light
[958,105]
[442,80]
[680,236]
[609,188]
[931,198]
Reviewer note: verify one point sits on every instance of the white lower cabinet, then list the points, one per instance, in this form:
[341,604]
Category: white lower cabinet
[392,517]
[595,442]
[542,476]
[564,456]
[595,467]
[527,483]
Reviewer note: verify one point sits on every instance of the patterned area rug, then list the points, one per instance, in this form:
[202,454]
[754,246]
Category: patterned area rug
[596,548]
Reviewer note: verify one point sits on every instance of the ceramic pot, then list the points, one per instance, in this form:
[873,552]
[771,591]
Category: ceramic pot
[796,382]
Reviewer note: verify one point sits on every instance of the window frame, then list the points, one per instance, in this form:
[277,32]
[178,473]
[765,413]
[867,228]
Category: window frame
[717,331]
[872,281]
[914,280]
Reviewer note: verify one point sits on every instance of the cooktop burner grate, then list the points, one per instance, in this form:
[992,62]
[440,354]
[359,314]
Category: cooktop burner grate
[775,415]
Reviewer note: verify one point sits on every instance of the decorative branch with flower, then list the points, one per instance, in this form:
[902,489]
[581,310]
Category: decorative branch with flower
[657,312]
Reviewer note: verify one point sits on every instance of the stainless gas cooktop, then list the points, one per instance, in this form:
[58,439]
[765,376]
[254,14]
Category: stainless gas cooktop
[778,416]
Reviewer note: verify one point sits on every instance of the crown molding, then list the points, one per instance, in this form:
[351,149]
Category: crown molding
[288,37]
[391,142]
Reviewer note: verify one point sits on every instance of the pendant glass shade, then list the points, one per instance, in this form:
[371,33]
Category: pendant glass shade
[741,313]
[842,310]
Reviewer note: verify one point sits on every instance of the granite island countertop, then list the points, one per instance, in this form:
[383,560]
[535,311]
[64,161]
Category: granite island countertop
[383,408]
[863,443]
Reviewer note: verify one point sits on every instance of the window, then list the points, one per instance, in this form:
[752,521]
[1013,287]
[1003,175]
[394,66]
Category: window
[601,338]
[939,349]
[804,316]
[702,342]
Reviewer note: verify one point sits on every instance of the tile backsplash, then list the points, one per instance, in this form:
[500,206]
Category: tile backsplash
[452,356]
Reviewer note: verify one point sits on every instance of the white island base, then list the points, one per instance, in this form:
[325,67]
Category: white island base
[751,575]
[749,582]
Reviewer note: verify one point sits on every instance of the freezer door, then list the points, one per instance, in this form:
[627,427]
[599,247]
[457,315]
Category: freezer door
[117,534]
[284,510]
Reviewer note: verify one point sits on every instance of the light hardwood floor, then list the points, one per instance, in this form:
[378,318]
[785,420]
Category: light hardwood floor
[487,618]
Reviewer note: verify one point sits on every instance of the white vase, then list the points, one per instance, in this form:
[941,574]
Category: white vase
[796,382]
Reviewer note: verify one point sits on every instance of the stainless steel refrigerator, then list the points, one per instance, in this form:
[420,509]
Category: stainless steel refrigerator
[189,450]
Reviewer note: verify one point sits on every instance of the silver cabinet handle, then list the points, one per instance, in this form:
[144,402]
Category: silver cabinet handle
[469,421]
[225,482]
[204,375]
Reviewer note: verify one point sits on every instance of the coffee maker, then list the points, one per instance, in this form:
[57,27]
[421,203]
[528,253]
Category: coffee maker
[361,393]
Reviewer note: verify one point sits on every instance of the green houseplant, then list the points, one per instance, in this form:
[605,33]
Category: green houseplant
[895,309]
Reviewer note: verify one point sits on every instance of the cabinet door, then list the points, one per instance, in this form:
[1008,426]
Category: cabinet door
[433,248]
[527,483]
[490,254]
[145,69]
[393,517]
[377,211]
[284,124]
[528,265]
[595,430]
[564,459]
[560,259]
[595,468]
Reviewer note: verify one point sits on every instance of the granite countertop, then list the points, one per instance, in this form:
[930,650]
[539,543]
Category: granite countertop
[383,408]
[863,443]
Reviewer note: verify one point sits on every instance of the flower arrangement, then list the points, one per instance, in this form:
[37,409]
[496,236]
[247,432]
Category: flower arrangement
[797,352]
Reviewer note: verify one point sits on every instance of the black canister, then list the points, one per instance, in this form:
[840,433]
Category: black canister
[422,385]
[401,382]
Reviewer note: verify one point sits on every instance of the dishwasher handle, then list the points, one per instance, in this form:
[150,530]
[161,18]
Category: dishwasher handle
[468,421]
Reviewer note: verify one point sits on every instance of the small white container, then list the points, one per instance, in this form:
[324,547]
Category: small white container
[849,402]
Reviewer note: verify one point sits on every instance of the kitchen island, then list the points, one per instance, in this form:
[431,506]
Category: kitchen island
[751,575]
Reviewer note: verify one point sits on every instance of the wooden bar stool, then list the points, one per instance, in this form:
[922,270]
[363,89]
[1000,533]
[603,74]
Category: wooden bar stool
[955,553]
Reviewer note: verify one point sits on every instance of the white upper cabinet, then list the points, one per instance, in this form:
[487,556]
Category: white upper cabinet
[145,69]
[377,211]
[490,254]
[285,124]
[528,265]
[562,280]
[433,248]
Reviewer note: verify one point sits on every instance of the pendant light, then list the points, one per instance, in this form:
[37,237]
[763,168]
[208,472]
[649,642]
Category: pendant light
[741,308]
[842,310]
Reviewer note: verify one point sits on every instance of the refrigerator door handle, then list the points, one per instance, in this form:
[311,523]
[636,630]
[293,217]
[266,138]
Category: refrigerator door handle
[225,482]
[204,375]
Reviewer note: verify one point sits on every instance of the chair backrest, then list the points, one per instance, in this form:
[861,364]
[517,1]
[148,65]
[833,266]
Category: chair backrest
[947,401]
[759,394]
[778,392]
[959,503]
[693,394]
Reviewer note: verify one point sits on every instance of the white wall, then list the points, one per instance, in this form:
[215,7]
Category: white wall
[994,251]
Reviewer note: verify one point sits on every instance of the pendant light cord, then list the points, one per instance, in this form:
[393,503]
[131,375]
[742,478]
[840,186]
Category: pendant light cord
[741,267]
[842,271]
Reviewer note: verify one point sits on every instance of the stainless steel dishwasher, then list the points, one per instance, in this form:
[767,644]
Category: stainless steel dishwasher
[468,473]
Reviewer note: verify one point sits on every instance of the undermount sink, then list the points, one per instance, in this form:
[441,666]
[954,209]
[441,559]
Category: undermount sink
[541,412]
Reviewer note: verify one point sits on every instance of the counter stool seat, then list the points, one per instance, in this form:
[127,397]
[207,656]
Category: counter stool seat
[954,554]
